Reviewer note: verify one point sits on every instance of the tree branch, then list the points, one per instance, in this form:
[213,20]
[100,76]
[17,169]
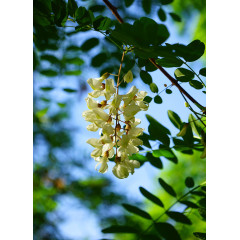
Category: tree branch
[173,81]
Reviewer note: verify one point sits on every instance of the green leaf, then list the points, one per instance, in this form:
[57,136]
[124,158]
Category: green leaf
[162,15]
[145,138]
[46,88]
[203,72]
[194,51]
[83,17]
[183,75]
[50,58]
[73,73]
[165,2]
[196,84]
[61,105]
[147,99]
[59,9]
[175,119]
[167,231]
[128,77]
[73,48]
[146,77]
[99,59]
[169,62]
[128,3]
[165,152]
[49,73]
[189,182]
[179,217]
[158,99]
[42,112]
[175,17]
[69,90]
[156,162]
[168,91]
[153,87]
[189,204]
[196,125]
[167,187]
[183,130]
[74,60]
[102,23]
[157,131]
[89,44]
[119,229]
[146,4]
[136,211]
[72,7]
[151,197]
[200,235]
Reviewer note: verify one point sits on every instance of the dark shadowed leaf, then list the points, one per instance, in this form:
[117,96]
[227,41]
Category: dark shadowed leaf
[145,138]
[50,58]
[202,212]
[169,62]
[179,217]
[175,119]
[46,88]
[167,187]
[147,99]
[156,162]
[151,197]
[146,4]
[196,84]
[158,99]
[128,3]
[167,231]
[200,235]
[183,74]
[189,182]
[72,7]
[136,211]
[175,17]
[89,44]
[203,72]
[49,73]
[102,23]
[119,229]
[69,90]
[146,77]
[194,51]
[99,59]
[189,204]
[59,8]
[165,2]
[162,15]
[168,91]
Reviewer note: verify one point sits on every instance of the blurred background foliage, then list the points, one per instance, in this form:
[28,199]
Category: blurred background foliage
[65,50]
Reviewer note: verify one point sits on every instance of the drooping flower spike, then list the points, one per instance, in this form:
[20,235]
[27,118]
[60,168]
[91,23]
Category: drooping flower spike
[115,116]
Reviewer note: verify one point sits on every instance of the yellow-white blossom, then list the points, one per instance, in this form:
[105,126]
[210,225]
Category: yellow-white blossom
[115,117]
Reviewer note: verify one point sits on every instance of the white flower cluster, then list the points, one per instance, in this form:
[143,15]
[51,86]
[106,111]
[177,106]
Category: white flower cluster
[118,124]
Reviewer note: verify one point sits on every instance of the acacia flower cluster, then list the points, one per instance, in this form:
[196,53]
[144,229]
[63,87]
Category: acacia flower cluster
[114,114]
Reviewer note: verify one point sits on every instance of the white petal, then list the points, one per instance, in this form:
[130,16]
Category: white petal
[92,127]
[95,142]
[120,171]
[101,114]
[95,83]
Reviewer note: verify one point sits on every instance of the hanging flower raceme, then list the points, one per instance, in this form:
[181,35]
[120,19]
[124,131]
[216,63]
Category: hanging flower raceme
[115,116]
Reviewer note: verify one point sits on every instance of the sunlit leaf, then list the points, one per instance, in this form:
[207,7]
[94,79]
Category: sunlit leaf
[73,73]
[154,88]
[183,74]
[175,119]
[42,112]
